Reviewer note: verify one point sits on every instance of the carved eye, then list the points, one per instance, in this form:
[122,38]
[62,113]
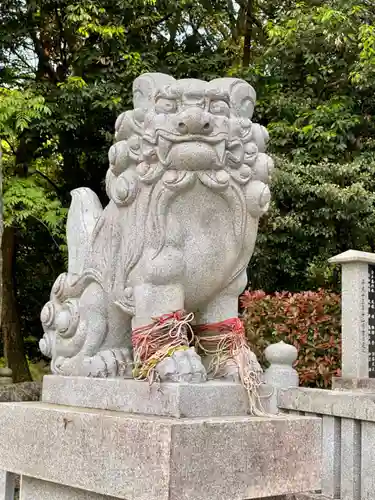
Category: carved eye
[164,105]
[219,108]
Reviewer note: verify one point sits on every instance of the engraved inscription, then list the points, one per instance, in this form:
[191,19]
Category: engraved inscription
[364,319]
[371,320]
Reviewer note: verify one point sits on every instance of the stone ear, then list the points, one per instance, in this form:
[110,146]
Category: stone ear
[145,86]
[242,95]
[243,98]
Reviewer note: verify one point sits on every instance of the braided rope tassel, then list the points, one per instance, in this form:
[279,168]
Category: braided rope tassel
[159,340]
[226,341]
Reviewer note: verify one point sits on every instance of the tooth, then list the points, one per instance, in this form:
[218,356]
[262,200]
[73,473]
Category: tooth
[220,148]
[164,148]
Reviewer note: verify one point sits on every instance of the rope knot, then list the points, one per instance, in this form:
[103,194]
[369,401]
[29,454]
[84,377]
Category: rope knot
[158,340]
[224,342]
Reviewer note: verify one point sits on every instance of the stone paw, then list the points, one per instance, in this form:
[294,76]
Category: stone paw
[109,363]
[182,366]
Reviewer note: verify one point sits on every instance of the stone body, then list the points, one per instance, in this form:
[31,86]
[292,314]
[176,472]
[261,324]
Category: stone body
[187,182]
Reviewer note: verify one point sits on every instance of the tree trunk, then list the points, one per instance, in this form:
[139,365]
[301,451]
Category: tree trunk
[1,231]
[10,323]
[248,34]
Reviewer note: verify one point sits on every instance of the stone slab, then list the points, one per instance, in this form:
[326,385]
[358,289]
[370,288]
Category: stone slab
[308,496]
[35,489]
[345,404]
[353,384]
[353,256]
[209,399]
[136,457]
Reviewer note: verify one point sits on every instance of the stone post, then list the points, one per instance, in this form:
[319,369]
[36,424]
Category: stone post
[5,376]
[358,317]
[280,374]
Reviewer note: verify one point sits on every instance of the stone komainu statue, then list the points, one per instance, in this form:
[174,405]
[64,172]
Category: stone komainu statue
[153,280]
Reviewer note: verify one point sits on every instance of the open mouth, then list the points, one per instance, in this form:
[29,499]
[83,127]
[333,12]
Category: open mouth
[202,149]
[161,146]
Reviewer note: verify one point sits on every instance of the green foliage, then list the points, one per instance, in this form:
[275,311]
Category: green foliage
[318,211]
[38,370]
[24,198]
[17,111]
[315,79]
[66,71]
[309,320]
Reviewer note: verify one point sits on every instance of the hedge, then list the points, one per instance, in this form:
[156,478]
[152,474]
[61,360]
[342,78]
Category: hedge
[311,321]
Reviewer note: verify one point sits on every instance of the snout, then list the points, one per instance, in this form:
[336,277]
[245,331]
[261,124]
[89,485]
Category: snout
[193,121]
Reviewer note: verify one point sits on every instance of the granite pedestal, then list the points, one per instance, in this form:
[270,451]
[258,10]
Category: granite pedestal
[208,399]
[71,452]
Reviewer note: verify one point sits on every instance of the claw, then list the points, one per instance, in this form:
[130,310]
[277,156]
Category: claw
[182,366]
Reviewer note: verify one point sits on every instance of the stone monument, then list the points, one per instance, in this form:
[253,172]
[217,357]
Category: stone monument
[153,280]
[358,320]
[155,393]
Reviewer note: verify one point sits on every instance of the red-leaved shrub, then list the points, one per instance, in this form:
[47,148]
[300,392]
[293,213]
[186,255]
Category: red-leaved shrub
[311,321]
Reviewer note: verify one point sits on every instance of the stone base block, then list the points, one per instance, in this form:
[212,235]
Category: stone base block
[209,399]
[35,489]
[137,457]
[300,496]
[353,384]
[345,404]
[308,496]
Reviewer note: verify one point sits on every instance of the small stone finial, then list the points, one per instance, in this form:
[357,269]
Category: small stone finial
[281,354]
[6,376]
[280,374]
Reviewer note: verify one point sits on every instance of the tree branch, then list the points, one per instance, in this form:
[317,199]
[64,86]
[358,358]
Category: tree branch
[55,186]
[44,64]
[248,34]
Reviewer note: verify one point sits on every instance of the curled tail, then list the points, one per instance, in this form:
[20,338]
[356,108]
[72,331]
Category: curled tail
[84,213]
